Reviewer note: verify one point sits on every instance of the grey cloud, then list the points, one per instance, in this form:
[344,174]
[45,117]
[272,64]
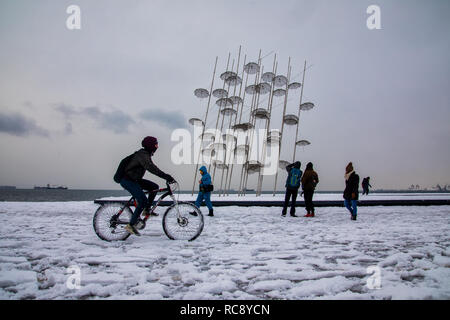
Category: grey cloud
[170,119]
[19,125]
[66,109]
[115,120]
[112,119]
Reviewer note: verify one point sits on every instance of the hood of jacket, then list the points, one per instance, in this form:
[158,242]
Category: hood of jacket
[203,168]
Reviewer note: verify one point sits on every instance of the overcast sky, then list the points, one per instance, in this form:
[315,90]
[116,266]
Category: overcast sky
[74,102]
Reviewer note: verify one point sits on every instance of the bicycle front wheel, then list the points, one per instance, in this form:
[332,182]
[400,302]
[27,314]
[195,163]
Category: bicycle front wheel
[187,225]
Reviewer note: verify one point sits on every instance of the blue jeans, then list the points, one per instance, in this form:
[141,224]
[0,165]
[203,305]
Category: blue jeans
[204,196]
[352,206]
[137,191]
[290,193]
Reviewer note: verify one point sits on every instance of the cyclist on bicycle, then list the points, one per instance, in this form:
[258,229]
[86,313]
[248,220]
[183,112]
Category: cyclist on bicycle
[134,183]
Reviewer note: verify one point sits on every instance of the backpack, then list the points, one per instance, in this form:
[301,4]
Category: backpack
[294,178]
[208,188]
[120,172]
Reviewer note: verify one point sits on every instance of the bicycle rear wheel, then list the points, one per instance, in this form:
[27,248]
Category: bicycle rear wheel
[188,227]
[109,225]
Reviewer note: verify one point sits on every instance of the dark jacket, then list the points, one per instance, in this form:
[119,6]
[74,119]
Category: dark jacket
[309,180]
[141,162]
[351,186]
[365,183]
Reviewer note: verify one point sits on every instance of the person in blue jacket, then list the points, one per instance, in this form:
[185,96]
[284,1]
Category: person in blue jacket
[205,191]
[292,184]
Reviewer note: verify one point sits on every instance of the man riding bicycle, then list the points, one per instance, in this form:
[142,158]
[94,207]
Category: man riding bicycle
[133,181]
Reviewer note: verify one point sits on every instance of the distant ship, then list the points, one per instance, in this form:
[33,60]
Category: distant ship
[7,187]
[50,187]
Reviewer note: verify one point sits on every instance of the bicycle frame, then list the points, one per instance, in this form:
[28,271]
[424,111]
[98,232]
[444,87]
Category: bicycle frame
[168,192]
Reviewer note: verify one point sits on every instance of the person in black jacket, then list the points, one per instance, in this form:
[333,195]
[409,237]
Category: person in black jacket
[310,179]
[351,193]
[292,184]
[134,184]
[365,184]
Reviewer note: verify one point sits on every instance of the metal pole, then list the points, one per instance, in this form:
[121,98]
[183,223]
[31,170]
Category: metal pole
[226,190]
[282,123]
[301,96]
[253,119]
[218,113]
[221,129]
[240,119]
[204,125]
[269,108]
[244,169]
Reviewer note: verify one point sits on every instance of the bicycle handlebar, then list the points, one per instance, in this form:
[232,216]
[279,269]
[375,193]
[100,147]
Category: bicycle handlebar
[168,188]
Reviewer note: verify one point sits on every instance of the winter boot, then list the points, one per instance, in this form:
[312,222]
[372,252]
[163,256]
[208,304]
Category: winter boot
[211,213]
[193,213]
[307,215]
[131,229]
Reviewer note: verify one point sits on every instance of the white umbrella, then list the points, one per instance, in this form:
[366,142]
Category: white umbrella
[306,106]
[233,80]
[264,88]
[279,92]
[196,121]
[261,113]
[290,119]
[251,68]
[268,76]
[227,74]
[280,81]
[303,143]
[228,111]
[242,126]
[294,85]
[236,100]
[224,102]
[220,93]
[201,93]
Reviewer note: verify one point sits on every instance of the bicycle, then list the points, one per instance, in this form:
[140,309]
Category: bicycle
[181,220]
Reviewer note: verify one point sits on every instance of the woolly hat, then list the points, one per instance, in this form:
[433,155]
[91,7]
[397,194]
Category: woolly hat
[149,143]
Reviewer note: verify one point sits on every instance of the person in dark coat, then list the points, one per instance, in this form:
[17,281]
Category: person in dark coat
[365,185]
[292,185]
[351,193]
[310,179]
[134,183]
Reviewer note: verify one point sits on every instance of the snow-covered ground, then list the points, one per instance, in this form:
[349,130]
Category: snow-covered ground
[243,253]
